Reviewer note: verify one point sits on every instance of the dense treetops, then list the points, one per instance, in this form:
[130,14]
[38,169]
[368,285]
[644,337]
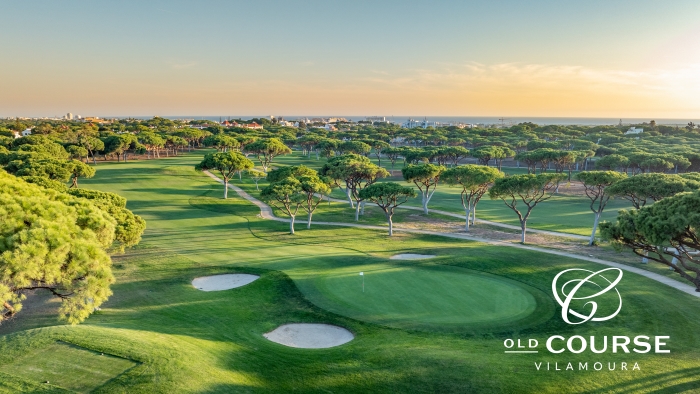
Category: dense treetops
[59,240]
[665,232]
[54,237]
[658,149]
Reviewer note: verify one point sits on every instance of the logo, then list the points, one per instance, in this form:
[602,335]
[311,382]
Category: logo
[569,289]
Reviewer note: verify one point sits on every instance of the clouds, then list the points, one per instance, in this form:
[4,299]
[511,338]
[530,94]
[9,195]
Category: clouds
[189,87]
[546,90]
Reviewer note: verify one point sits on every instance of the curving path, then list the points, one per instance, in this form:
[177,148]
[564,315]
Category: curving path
[496,224]
[266,213]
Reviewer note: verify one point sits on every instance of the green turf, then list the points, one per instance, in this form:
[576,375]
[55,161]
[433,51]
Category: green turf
[185,340]
[68,366]
[428,297]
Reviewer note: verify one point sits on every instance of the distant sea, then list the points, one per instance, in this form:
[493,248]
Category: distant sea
[463,119]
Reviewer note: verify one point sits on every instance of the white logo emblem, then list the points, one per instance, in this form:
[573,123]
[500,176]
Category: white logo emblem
[577,283]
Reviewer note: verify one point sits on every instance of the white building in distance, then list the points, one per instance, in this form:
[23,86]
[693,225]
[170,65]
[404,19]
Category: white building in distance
[425,123]
[634,130]
[376,119]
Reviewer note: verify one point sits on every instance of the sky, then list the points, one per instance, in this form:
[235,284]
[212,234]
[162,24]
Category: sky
[561,58]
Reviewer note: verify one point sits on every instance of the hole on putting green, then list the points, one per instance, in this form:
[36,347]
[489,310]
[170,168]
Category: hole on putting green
[309,335]
[411,256]
[223,282]
[432,298]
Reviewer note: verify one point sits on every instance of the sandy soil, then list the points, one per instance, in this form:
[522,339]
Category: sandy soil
[310,336]
[223,282]
[411,256]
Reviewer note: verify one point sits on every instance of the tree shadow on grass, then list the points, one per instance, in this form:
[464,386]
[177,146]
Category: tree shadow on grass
[658,383]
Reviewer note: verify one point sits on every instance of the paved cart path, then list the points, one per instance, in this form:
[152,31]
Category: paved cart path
[503,225]
[266,213]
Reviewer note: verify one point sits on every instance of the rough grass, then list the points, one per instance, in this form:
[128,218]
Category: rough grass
[189,341]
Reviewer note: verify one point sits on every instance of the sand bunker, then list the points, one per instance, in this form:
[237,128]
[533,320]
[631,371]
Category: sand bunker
[310,336]
[222,282]
[411,256]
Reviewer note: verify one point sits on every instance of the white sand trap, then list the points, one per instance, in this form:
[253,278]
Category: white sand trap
[310,336]
[411,256]
[222,282]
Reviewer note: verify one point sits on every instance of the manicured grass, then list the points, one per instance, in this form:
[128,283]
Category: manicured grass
[433,298]
[68,366]
[187,340]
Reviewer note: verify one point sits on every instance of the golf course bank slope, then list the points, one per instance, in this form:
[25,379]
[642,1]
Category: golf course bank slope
[223,282]
[310,336]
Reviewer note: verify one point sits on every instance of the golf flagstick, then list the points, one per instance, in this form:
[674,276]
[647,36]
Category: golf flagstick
[362,274]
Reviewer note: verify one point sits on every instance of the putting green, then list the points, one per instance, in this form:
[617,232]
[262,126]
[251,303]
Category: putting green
[425,297]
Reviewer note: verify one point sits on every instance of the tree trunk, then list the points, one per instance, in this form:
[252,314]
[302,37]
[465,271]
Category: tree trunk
[523,226]
[347,193]
[391,224]
[362,212]
[225,189]
[467,213]
[75,182]
[9,307]
[291,224]
[357,212]
[474,215]
[308,221]
[425,205]
[595,227]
